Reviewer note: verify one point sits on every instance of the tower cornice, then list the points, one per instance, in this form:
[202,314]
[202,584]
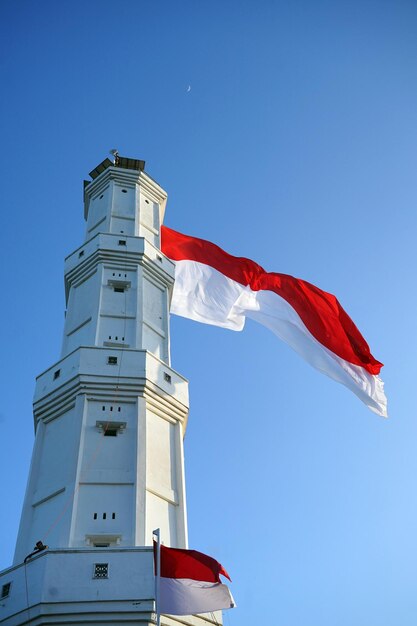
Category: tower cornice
[140,374]
[104,247]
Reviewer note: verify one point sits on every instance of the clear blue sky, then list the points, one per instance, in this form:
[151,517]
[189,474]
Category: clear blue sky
[296,146]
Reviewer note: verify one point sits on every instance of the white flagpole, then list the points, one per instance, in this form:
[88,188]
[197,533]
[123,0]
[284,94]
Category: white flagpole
[157,534]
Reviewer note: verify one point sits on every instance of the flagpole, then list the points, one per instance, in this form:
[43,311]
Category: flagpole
[157,534]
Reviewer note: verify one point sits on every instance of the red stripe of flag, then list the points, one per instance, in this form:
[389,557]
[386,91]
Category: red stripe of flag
[320,311]
[181,563]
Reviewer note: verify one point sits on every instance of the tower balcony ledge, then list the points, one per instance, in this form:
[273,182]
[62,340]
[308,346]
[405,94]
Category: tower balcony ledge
[105,368]
[79,586]
[105,247]
[82,586]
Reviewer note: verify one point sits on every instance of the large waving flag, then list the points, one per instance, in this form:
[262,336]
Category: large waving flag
[190,583]
[213,287]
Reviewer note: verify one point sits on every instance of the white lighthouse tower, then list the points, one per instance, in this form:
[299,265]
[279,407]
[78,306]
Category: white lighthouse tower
[110,417]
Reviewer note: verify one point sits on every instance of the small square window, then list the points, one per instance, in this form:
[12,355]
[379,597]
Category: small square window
[111,431]
[80,254]
[119,289]
[101,570]
[112,360]
[57,374]
[122,242]
[5,590]
[167,377]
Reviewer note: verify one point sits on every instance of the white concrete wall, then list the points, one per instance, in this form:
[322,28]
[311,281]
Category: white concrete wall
[105,498]
[99,212]
[121,301]
[82,309]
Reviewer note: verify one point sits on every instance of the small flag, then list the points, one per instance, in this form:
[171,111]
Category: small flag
[190,583]
[213,287]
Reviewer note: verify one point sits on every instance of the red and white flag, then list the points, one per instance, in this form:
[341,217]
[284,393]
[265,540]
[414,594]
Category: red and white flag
[213,287]
[190,583]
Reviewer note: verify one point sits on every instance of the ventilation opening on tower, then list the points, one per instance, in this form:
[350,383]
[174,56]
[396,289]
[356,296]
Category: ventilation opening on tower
[110,429]
[119,285]
[103,540]
[101,570]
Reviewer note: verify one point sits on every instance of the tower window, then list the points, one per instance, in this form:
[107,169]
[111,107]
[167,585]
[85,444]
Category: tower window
[95,516]
[5,590]
[113,515]
[104,515]
[124,190]
[57,374]
[111,431]
[122,242]
[119,289]
[80,254]
[112,360]
[101,570]
[167,377]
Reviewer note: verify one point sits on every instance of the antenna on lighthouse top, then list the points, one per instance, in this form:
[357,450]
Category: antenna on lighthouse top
[115,153]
